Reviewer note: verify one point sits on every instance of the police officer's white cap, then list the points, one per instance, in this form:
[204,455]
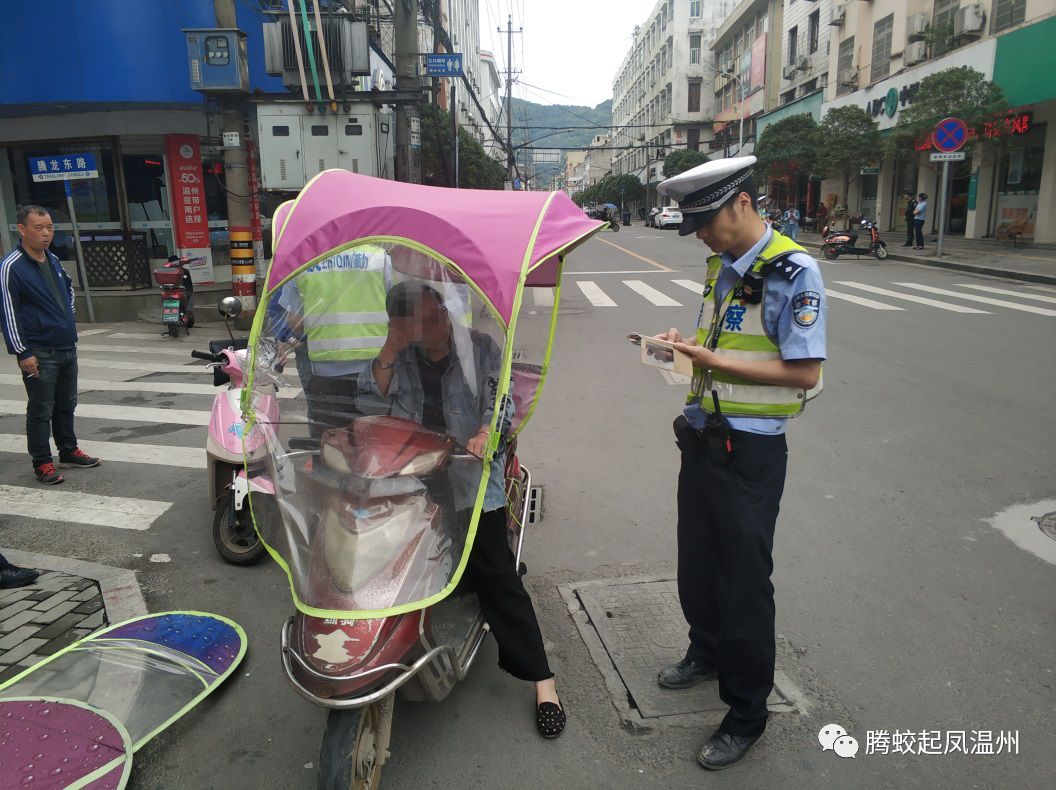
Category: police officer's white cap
[704,189]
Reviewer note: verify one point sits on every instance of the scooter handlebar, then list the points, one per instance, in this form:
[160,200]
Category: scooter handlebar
[204,355]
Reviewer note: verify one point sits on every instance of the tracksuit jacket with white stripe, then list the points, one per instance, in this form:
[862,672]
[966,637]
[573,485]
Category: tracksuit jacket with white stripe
[31,318]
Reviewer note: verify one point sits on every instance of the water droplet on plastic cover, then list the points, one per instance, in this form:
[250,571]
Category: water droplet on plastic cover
[100,738]
[45,712]
[93,747]
[56,772]
[65,760]
[28,767]
[28,779]
[43,737]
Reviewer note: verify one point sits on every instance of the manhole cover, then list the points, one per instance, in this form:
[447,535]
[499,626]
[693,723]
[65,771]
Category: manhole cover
[640,625]
[1047,524]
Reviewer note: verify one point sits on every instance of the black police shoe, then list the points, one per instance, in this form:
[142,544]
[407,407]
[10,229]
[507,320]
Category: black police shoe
[11,577]
[687,672]
[723,750]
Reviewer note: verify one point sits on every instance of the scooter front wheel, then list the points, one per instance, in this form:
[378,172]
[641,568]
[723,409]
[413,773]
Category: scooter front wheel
[881,251]
[233,533]
[830,252]
[355,747]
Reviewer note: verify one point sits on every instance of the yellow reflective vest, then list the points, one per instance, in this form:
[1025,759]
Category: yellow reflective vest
[739,397]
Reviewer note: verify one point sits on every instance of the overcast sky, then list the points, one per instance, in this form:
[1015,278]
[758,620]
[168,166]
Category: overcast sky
[569,47]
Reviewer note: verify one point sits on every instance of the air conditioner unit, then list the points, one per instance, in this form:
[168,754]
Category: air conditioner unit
[788,72]
[848,77]
[915,52]
[803,63]
[968,21]
[917,27]
[837,18]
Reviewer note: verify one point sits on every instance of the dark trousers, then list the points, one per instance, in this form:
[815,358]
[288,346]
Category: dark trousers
[726,518]
[506,604]
[909,231]
[52,400]
[918,231]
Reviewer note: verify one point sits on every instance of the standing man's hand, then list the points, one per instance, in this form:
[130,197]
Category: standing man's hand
[478,443]
[29,367]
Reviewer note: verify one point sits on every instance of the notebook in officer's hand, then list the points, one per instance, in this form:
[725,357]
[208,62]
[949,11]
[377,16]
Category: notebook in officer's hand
[662,354]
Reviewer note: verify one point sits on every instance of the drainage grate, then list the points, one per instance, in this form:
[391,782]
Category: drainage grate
[1047,524]
[535,504]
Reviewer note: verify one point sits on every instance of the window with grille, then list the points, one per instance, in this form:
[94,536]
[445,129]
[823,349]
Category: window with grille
[844,62]
[942,26]
[812,32]
[793,36]
[694,50]
[1008,13]
[694,96]
[882,48]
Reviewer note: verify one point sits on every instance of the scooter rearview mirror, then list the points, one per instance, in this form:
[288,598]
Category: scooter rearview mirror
[229,307]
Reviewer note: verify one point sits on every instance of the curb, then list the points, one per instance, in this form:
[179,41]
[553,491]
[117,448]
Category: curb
[1011,274]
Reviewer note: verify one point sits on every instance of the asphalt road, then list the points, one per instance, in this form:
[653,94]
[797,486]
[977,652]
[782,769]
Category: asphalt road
[904,608]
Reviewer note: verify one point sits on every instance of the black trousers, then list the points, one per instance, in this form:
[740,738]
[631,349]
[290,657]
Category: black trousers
[918,231]
[909,231]
[506,604]
[726,519]
[52,399]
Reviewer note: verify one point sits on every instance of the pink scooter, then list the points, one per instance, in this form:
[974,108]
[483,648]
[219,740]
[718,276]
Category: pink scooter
[235,457]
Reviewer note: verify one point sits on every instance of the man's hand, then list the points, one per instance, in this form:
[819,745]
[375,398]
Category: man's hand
[672,335]
[398,339]
[702,357]
[478,443]
[29,366]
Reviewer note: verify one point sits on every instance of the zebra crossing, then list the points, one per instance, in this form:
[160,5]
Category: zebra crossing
[960,298]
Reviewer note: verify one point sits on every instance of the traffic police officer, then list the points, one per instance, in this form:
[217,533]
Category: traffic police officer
[757,356]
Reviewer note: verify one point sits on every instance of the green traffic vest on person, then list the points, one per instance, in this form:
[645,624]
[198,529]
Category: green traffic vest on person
[739,397]
[344,305]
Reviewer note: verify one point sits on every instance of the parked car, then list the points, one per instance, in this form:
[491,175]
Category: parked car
[669,217]
[650,219]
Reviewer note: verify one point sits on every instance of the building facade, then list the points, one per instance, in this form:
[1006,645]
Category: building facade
[882,50]
[659,98]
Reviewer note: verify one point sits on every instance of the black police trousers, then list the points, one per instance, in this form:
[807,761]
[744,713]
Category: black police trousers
[726,519]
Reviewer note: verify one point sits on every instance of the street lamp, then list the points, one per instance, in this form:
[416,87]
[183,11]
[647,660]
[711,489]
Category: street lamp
[740,90]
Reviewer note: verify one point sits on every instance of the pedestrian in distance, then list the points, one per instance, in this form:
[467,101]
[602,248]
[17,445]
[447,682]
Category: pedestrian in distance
[757,354]
[920,215]
[12,576]
[37,315]
[790,223]
[910,213]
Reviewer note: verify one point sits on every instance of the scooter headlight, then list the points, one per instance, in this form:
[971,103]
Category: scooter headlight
[424,463]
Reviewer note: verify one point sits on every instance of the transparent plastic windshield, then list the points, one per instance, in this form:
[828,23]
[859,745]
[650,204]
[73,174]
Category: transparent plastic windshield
[392,366]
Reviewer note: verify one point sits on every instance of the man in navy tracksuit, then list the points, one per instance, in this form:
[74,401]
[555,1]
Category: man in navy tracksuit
[36,311]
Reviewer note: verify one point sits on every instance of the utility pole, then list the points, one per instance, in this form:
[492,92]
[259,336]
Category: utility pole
[236,176]
[408,122]
[510,167]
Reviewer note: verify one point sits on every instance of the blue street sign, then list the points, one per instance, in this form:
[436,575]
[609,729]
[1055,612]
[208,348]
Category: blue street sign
[63,167]
[950,134]
[444,65]
[516,183]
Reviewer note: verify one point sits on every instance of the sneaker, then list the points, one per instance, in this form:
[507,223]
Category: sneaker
[46,473]
[11,577]
[77,457]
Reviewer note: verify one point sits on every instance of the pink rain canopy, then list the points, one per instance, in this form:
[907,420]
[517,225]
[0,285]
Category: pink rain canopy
[494,237]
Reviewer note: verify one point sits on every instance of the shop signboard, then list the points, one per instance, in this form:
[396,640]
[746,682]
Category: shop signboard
[190,217]
[758,62]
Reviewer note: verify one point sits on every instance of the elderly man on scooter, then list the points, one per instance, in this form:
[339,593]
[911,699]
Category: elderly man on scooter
[424,373]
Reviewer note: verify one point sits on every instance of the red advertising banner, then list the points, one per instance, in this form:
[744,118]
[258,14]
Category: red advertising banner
[758,63]
[190,223]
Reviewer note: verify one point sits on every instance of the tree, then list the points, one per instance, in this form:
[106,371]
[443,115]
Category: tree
[787,147]
[848,139]
[960,92]
[614,189]
[476,170]
[682,160]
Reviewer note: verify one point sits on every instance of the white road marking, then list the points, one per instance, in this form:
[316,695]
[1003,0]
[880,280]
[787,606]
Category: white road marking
[1023,308]
[618,271]
[648,237]
[862,300]
[184,352]
[124,452]
[955,308]
[149,367]
[651,294]
[80,508]
[695,287]
[544,297]
[144,336]
[123,413]
[594,294]
[164,387]
[1006,292]
[97,331]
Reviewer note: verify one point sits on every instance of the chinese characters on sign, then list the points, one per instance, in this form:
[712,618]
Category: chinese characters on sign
[1009,126]
[190,222]
[63,167]
[983,742]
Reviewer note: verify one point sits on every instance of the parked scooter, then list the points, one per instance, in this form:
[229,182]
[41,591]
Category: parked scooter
[177,294]
[235,456]
[845,242]
[614,225]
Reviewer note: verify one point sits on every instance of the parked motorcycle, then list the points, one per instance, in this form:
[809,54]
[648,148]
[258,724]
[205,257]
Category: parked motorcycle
[845,242]
[235,454]
[375,512]
[614,225]
[177,294]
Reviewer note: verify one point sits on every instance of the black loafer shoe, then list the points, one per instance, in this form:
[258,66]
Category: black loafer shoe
[723,750]
[11,577]
[687,672]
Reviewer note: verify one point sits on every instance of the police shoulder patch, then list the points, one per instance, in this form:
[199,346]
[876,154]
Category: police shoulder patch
[806,306]
[786,269]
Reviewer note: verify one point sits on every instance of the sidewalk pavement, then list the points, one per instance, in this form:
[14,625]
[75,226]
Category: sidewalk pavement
[68,601]
[1035,263]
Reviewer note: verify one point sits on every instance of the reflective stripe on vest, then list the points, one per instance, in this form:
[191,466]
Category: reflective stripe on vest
[739,397]
[344,305]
